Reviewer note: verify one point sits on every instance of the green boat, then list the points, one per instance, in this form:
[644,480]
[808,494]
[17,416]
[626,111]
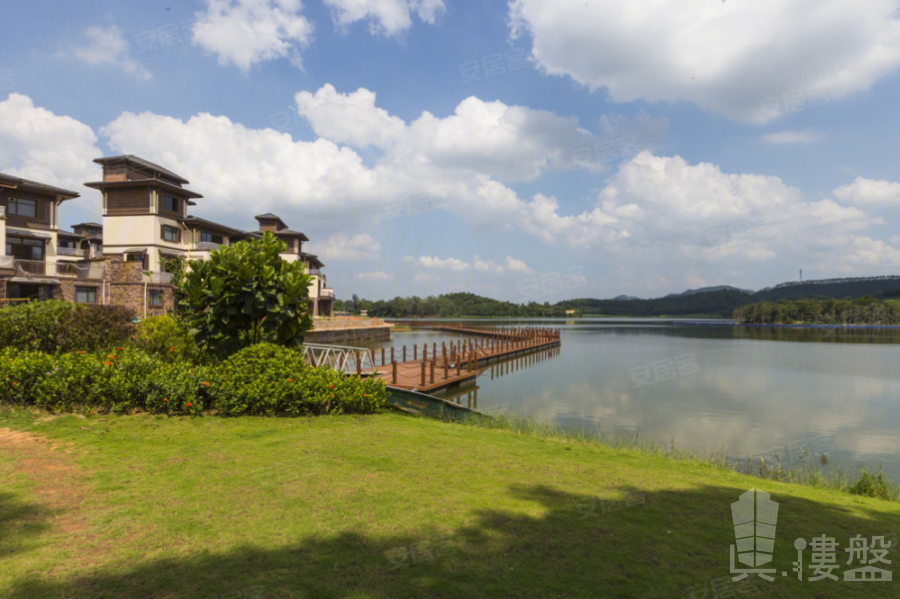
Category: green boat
[423,404]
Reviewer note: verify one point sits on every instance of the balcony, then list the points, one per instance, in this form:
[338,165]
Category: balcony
[326,293]
[7,262]
[71,252]
[158,278]
[36,269]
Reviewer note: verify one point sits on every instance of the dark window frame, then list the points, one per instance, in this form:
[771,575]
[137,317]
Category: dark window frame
[155,297]
[14,206]
[176,204]
[91,291]
[167,228]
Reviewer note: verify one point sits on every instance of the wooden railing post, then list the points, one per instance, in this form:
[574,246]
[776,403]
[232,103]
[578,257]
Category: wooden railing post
[432,372]
[404,353]
[415,351]
[423,374]
[358,365]
[394,372]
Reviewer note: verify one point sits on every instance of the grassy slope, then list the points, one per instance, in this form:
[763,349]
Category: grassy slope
[144,506]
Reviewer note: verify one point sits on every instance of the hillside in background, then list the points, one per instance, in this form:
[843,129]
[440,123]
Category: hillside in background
[714,301]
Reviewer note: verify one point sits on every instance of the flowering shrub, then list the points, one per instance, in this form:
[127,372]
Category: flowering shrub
[262,379]
[166,337]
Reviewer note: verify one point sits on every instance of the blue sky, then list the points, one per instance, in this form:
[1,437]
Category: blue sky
[529,150]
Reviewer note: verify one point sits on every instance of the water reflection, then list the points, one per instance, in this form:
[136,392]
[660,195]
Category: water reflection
[753,390]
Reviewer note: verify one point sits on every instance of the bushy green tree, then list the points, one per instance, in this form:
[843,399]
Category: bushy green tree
[244,294]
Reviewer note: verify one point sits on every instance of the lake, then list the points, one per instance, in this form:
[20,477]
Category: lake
[747,391]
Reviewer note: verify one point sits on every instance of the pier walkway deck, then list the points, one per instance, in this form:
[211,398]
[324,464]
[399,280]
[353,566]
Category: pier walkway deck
[430,367]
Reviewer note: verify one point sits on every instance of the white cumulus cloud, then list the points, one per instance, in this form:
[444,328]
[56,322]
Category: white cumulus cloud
[869,192]
[739,59]
[793,137]
[108,46]
[246,32]
[341,246]
[385,17]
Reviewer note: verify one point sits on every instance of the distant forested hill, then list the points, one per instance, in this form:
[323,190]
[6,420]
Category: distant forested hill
[713,303]
[717,302]
[831,288]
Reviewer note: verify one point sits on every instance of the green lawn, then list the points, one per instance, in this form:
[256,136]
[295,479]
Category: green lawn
[384,506]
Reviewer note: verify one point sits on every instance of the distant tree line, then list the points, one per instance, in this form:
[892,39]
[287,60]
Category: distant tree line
[721,303]
[867,310]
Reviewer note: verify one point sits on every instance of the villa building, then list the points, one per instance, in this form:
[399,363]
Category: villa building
[121,261]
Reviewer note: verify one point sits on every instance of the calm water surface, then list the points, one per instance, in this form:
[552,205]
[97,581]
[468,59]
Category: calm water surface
[747,391]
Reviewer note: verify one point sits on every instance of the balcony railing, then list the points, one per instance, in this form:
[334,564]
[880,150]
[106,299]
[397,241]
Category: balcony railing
[69,251]
[7,261]
[36,268]
[206,246]
[326,293]
[158,278]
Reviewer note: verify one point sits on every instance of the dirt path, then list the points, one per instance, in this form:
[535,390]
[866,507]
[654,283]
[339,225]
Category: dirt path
[57,479]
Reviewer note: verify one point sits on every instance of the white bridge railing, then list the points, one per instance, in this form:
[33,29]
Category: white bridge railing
[350,360]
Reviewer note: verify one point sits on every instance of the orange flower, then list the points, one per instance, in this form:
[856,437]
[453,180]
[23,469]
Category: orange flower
[290,380]
[171,349]
[332,395]
[81,352]
[331,386]
[205,384]
[120,348]
[365,395]
[112,357]
[188,405]
[165,399]
[107,363]
[14,384]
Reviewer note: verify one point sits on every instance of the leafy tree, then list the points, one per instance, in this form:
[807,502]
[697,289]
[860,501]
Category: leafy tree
[243,295]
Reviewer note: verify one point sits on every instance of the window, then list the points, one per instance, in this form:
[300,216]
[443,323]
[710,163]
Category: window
[171,234]
[156,297]
[137,258]
[20,207]
[86,295]
[25,249]
[171,204]
[204,236]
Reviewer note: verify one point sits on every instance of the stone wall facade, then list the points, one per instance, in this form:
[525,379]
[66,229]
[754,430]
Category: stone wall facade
[126,286]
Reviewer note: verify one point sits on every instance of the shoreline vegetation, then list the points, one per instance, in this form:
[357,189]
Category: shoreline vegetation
[864,311]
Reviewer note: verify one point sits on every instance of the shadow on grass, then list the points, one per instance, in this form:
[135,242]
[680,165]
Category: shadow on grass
[642,544]
[20,524]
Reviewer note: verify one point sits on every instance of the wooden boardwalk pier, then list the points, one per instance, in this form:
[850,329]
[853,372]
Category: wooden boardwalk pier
[430,367]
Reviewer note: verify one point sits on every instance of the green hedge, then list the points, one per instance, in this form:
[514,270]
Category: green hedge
[260,380]
[53,326]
